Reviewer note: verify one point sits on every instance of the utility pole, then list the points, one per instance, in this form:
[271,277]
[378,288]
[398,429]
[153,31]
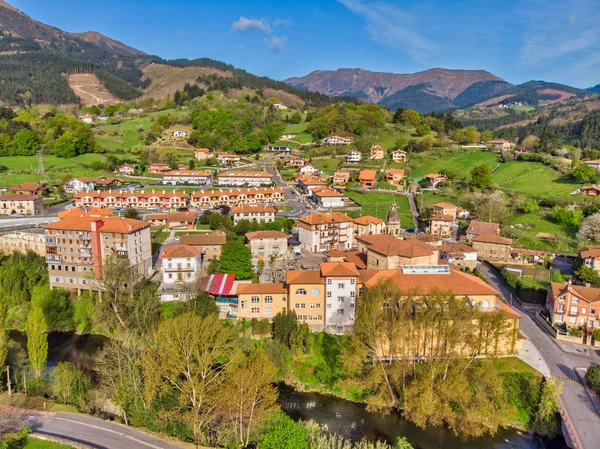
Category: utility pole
[8,381]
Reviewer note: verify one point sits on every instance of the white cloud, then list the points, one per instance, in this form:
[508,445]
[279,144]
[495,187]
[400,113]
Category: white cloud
[245,24]
[280,22]
[275,43]
[392,26]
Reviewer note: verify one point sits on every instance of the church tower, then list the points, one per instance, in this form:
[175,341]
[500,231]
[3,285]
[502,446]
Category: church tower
[393,221]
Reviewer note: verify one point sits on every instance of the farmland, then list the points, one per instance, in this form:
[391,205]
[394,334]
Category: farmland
[453,163]
[378,204]
[533,178]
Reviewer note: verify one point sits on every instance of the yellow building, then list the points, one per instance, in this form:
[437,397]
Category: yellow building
[307,297]
[261,301]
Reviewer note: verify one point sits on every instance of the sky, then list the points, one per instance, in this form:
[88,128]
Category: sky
[516,40]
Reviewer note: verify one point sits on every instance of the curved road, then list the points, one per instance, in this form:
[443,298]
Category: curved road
[84,430]
[582,409]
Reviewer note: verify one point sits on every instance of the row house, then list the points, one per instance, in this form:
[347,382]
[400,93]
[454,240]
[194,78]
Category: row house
[173,220]
[327,198]
[77,248]
[187,177]
[253,212]
[17,204]
[574,305]
[234,197]
[261,301]
[137,199]
[241,178]
[326,232]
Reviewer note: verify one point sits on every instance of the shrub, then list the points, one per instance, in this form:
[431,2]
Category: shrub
[282,432]
[575,331]
[593,377]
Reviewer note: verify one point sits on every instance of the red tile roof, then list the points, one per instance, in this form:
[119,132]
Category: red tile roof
[261,289]
[245,174]
[377,238]
[252,208]
[445,206]
[109,224]
[266,235]
[338,269]
[441,217]
[404,248]
[333,217]
[213,238]
[367,220]
[492,238]
[325,192]
[91,212]
[589,294]
[178,251]
[367,175]
[483,228]
[304,277]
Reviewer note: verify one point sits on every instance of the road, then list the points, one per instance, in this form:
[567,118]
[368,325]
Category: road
[291,194]
[578,404]
[88,431]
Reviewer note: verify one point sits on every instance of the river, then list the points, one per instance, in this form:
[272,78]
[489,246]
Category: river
[342,417]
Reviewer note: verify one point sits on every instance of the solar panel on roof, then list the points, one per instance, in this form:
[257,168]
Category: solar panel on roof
[425,269]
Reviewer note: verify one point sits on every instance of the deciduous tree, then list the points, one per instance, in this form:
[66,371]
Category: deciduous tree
[37,340]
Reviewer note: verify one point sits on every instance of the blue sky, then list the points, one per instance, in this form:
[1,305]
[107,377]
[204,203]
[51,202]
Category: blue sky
[517,40]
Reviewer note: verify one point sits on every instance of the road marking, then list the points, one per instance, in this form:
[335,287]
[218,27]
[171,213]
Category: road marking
[566,378]
[115,432]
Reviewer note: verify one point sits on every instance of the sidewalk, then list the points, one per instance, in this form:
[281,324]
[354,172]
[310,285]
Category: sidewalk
[532,356]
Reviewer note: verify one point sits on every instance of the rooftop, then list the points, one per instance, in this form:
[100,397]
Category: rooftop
[403,248]
[179,251]
[213,238]
[304,277]
[252,208]
[173,216]
[483,228]
[338,269]
[441,217]
[492,238]
[109,224]
[261,288]
[245,174]
[18,197]
[590,294]
[333,217]
[266,235]
[367,220]
[326,192]
[445,206]
[376,238]
[367,175]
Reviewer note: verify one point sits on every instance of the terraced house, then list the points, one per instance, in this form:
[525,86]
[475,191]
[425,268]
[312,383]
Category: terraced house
[244,178]
[234,197]
[139,199]
[77,247]
[187,177]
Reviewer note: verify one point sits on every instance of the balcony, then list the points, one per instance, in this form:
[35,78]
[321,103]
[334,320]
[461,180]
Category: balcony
[178,269]
[119,247]
[50,241]
[53,258]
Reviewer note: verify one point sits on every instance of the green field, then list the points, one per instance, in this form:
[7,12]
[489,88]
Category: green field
[303,138]
[37,443]
[327,166]
[561,238]
[296,128]
[453,163]
[378,204]
[533,178]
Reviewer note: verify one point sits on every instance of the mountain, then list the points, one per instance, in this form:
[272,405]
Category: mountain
[434,88]
[108,44]
[595,89]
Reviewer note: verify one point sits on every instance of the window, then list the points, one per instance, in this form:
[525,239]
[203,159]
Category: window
[341,285]
[318,306]
[255,300]
[353,281]
[328,305]
[329,294]
[573,310]
[315,292]
[340,311]
[244,304]
[329,281]
[268,310]
[268,300]
[301,292]
[312,305]
[255,310]
[361,291]
[583,311]
[320,317]
[352,293]
[340,299]
[351,304]
[575,300]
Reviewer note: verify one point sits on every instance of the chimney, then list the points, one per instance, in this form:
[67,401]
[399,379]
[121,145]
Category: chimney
[130,227]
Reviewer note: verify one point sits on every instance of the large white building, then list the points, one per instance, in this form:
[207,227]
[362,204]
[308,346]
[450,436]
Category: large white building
[187,177]
[327,198]
[336,140]
[354,157]
[340,295]
[326,232]
[253,212]
[180,264]
[241,178]
[82,184]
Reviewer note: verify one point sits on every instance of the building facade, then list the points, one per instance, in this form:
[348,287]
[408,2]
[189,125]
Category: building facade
[173,220]
[32,240]
[253,212]
[137,199]
[210,244]
[326,232]
[267,245]
[17,204]
[368,225]
[187,177]
[232,197]
[574,305]
[244,178]
[327,198]
[180,264]
[492,247]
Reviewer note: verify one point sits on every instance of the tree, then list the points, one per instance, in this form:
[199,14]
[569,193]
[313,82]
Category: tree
[481,177]
[284,325]
[27,142]
[300,337]
[203,305]
[282,432]
[318,129]
[566,216]
[584,173]
[548,414]
[529,205]
[589,230]
[422,129]
[364,142]
[3,338]
[70,385]
[65,146]
[530,141]
[131,213]
[236,259]
[296,118]
[37,340]
[192,164]
[410,117]
[249,394]
[587,275]
[486,136]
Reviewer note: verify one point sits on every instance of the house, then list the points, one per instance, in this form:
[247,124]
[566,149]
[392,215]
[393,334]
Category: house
[594,164]
[77,248]
[590,190]
[180,133]
[223,288]
[253,212]
[204,199]
[460,255]
[327,198]
[279,148]
[295,162]
[16,204]
[137,199]
[31,240]
[306,297]
[87,119]
[377,152]
[354,157]
[306,184]
[159,168]
[308,170]
[29,188]
[449,209]
[326,232]
[210,244]
[103,118]
[492,247]
[394,176]
[279,106]
[173,220]
[83,184]
[267,245]
[226,159]
[107,183]
[336,140]
[368,225]
[399,156]
[435,179]
[501,145]
[355,257]
[241,178]
[573,305]
[385,252]
[367,178]
[341,280]
[441,226]
[261,301]
[201,154]
[482,228]
[341,177]
[185,176]
[591,257]
[127,169]
[180,264]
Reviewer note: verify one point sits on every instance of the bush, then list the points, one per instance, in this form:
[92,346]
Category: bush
[282,432]
[529,205]
[575,331]
[593,377]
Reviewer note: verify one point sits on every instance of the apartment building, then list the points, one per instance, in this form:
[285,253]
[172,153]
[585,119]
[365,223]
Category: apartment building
[137,199]
[575,305]
[591,257]
[210,244]
[184,176]
[233,197]
[327,198]
[253,212]
[261,301]
[306,297]
[180,264]
[17,204]
[326,232]
[267,245]
[368,225]
[244,178]
[77,247]
[31,240]
[341,280]
[441,226]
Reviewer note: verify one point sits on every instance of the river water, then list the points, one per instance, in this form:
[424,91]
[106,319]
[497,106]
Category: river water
[342,417]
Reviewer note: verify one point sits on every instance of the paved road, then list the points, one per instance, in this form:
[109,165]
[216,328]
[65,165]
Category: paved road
[291,194]
[90,431]
[27,222]
[580,408]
